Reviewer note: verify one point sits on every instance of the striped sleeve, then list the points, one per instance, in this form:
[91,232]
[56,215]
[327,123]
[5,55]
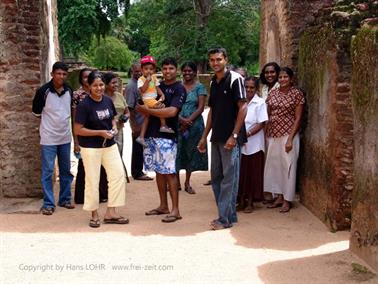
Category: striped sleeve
[238,89]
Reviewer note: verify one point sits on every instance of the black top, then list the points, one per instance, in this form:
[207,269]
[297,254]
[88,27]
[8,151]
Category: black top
[96,116]
[175,96]
[42,93]
[223,100]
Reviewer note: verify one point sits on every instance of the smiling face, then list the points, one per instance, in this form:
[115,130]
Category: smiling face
[217,62]
[284,79]
[250,88]
[270,74]
[188,74]
[112,86]
[148,70]
[169,73]
[59,76]
[97,87]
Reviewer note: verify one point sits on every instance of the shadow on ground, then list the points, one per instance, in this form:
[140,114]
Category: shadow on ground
[315,269]
[265,228]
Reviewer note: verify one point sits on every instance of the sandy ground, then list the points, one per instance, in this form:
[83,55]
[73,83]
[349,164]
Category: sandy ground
[264,247]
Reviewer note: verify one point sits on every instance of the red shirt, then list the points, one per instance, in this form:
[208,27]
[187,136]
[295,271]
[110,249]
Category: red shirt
[282,111]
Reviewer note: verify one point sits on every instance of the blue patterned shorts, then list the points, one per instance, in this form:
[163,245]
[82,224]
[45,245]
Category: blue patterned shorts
[160,155]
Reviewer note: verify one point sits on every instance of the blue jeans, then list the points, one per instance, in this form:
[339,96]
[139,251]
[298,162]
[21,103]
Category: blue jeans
[225,166]
[48,155]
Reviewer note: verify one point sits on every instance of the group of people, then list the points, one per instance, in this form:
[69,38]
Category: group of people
[169,134]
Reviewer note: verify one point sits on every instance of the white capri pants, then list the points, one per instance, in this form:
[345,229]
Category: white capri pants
[110,159]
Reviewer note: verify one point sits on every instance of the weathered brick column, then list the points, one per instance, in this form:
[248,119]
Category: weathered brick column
[364,233]
[23,57]
[326,172]
[325,73]
[282,23]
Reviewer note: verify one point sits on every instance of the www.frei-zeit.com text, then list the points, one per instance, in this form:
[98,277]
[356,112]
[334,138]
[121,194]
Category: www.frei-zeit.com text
[93,267]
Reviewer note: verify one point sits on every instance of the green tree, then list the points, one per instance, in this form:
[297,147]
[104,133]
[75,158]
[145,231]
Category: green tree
[110,54]
[80,20]
[187,29]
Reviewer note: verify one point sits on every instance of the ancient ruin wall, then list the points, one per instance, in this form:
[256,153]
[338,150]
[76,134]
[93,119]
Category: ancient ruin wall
[282,23]
[364,233]
[326,172]
[23,54]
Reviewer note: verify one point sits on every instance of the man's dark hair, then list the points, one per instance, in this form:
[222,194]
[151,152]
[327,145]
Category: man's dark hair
[108,77]
[60,65]
[262,74]
[217,50]
[169,61]
[81,74]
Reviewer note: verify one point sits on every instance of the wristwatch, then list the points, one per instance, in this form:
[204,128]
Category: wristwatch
[235,135]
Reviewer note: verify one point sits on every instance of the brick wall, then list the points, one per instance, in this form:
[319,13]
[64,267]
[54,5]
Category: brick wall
[282,23]
[364,232]
[326,161]
[23,53]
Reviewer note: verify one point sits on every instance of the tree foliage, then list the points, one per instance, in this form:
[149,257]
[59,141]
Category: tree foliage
[80,20]
[187,29]
[180,28]
[110,54]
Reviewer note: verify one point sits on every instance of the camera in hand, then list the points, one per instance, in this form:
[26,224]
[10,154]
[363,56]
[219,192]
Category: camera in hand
[123,118]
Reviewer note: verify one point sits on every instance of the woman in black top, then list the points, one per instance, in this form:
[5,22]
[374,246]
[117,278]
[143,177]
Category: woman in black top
[95,126]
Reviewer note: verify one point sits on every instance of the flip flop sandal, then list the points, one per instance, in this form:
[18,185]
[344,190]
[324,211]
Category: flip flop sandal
[144,177]
[47,211]
[171,218]
[217,226]
[190,190]
[248,210]
[285,209]
[155,212]
[119,220]
[274,205]
[67,205]
[94,223]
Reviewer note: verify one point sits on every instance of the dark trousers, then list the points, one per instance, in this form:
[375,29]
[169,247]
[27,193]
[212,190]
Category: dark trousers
[80,184]
[136,159]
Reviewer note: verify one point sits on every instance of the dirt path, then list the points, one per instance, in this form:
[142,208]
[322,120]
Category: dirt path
[265,247]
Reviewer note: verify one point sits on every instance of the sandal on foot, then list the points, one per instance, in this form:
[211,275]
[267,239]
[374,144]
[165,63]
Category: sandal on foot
[285,209]
[94,223]
[47,210]
[275,205]
[144,177]
[190,190]
[67,205]
[248,209]
[156,211]
[215,226]
[119,220]
[171,218]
